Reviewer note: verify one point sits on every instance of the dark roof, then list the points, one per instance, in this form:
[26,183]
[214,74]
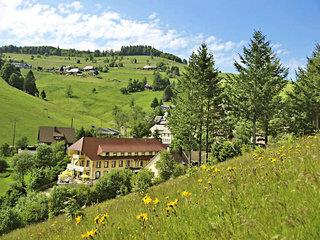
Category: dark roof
[91,146]
[53,134]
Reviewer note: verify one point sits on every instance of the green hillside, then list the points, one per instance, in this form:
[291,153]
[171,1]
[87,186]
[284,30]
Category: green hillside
[268,194]
[85,107]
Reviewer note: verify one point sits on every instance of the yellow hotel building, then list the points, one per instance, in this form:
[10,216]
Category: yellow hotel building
[96,156]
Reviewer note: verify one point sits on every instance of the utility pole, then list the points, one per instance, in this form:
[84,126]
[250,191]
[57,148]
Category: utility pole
[72,122]
[14,133]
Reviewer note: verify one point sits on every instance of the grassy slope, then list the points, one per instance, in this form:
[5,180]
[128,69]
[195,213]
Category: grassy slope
[269,195]
[86,108]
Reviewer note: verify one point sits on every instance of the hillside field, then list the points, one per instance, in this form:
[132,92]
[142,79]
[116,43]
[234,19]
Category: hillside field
[85,107]
[266,194]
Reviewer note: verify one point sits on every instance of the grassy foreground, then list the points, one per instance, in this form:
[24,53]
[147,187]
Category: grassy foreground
[271,194]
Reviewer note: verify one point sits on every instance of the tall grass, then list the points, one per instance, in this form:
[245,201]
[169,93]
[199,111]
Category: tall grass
[272,194]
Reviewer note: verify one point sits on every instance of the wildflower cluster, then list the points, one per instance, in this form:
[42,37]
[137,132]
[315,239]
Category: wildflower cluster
[100,219]
[89,234]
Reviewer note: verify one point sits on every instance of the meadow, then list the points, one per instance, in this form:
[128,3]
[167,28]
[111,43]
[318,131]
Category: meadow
[265,194]
[85,107]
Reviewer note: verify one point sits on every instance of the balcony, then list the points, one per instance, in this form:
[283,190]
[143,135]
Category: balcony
[77,168]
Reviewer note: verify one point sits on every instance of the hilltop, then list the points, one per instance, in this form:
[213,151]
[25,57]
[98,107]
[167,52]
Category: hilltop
[86,108]
[267,194]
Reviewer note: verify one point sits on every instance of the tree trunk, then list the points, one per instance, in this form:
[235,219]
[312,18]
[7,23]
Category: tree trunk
[207,132]
[254,132]
[200,143]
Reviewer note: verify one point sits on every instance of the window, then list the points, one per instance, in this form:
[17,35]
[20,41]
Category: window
[136,153]
[128,163]
[113,164]
[98,174]
[98,164]
[106,164]
[141,163]
[122,154]
[143,153]
[82,163]
[120,163]
[107,154]
[129,153]
[88,163]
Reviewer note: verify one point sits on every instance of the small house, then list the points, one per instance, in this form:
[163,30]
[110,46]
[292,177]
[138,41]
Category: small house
[49,135]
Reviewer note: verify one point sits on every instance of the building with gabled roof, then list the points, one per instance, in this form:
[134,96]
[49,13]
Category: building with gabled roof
[95,156]
[49,135]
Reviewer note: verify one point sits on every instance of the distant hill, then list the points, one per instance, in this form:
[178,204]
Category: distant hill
[86,108]
[137,50]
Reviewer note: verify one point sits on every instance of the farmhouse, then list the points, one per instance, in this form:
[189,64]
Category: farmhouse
[163,132]
[21,65]
[93,157]
[148,67]
[49,135]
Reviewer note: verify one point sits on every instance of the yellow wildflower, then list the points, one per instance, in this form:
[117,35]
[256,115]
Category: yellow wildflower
[147,199]
[200,180]
[96,219]
[231,168]
[78,220]
[216,170]
[273,160]
[156,201]
[204,167]
[173,203]
[89,234]
[186,194]
[143,217]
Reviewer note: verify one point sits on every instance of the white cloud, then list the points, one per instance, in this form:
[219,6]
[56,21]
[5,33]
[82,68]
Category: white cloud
[72,26]
[294,64]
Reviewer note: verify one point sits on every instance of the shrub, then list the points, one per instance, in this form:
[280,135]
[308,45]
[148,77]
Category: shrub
[179,170]
[142,180]
[32,208]
[224,150]
[22,143]
[5,150]
[9,220]
[58,196]
[12,195]
[84,195]
[166,165]
[3,165]
[113,184]
[71,208]
[41,178]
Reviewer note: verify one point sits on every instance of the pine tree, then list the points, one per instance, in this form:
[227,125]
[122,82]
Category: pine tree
[43,94]
[167,94]
[16,81]
[254,93]
[154,103]
[30,84]
[197,100]
[303,104]
[7,70]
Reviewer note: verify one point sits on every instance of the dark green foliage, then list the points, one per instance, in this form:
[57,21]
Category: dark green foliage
[16,81]
[43,94]
[166,165]
[22,163]
[254,93]
[30,84]
[140,130]
[44,157]
[302,115]
[142,180]
[154,103]
[22,143]
[134,85]
[7,70]
[58,196]
[41,178]
[159,83]
[120,117]
[85,133]
[3,165]
[9,220]
[168,94]
[223,150]
[113,184]
[13,194]
[5,150]
[69,92]
[32,208]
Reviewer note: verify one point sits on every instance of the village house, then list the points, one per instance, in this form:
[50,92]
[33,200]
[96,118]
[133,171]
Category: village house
[21,65]
[49,135]
[163,133]
[92,157]
[148,67]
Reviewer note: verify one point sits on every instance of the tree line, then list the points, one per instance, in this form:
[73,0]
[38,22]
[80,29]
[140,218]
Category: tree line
[12,75]
[138,50]
[256,102]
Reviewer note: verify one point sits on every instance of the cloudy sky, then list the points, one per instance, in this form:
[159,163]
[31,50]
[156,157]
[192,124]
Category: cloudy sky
[177,26]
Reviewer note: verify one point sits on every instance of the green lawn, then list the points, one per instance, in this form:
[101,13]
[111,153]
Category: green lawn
[268,194]
[86,108]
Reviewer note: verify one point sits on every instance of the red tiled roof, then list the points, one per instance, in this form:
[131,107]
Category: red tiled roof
[91,146]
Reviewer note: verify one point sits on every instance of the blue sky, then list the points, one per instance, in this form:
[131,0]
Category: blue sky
[174,26]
